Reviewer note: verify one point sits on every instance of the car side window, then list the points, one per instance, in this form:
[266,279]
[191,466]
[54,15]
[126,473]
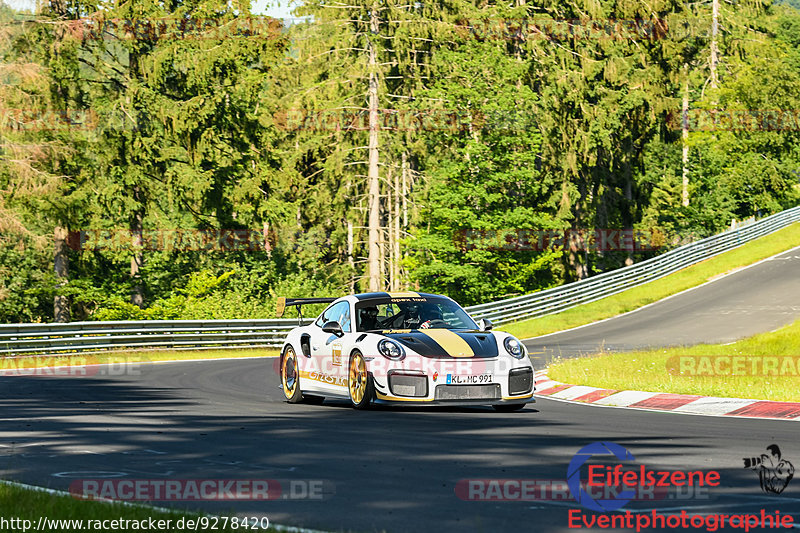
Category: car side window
[344,318]
[324,316]
[337,313]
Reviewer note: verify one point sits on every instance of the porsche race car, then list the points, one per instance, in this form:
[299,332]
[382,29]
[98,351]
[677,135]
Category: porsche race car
[402,347]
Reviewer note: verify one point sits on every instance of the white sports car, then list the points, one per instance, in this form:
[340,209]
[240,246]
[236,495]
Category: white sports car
[402,347]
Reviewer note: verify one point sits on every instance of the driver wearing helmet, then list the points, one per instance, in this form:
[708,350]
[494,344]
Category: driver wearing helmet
[411,317]
[368,318]
[432,315]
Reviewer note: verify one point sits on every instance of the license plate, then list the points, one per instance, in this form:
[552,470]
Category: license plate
[468,380]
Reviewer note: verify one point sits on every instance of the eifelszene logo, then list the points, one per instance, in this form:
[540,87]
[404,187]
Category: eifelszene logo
[625,480]
[774,472]
[574,476]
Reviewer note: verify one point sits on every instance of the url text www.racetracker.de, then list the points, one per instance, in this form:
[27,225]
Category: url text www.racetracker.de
[199,523]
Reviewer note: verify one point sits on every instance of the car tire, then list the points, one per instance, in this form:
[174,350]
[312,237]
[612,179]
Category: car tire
[508,407]
[290,376]
[359,382]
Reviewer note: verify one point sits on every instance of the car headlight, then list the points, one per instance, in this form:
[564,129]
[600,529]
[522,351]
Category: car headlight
[391,350]
[514,347]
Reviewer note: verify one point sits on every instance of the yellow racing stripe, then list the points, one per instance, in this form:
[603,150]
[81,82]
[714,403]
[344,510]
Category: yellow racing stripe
[518,397]
[453,345]
[404,294]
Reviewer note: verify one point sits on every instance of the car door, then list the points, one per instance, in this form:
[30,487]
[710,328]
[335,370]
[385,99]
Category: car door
[326,348]
[339,346]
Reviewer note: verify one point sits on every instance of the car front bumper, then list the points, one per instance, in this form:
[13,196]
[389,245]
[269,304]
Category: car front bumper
[483,382]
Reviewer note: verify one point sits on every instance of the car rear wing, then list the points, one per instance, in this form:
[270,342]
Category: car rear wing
[298,302]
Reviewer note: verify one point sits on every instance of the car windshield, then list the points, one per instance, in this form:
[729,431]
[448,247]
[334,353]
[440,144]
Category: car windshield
[411,313]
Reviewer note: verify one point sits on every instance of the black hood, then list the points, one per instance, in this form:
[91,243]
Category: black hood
[446,344]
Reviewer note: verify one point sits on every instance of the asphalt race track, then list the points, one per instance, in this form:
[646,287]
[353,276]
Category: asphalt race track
[396,469]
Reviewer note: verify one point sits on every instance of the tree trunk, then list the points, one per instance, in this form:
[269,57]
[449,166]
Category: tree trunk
[374,255]
[714,51]
[267,244]
[405,190]
[396,272]
[61,266]
[135,223]
[382,255]
[390,214]
[627,212]
[350,260]
[685,138]
[602,223]
[574,247]
[137,259]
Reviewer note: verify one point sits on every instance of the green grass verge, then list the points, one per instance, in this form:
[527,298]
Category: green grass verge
[679,370]
[115,357]
[21,504]
[689,277]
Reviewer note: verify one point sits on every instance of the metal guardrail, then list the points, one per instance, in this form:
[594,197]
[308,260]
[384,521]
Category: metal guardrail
[93,337]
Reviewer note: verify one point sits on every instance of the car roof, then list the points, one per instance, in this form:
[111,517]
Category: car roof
[387,295]
[367,296]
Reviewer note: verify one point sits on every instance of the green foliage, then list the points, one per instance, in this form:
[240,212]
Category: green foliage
[27,286]
[249,290]
[199,299]
[482,176]
[551,133]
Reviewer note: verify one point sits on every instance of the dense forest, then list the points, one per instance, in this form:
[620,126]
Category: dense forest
[189,159]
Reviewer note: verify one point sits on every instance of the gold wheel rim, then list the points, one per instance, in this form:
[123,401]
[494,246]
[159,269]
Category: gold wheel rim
[358,379]
[289,373]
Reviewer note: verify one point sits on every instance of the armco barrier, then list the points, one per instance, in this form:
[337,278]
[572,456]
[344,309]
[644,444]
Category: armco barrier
[88,337]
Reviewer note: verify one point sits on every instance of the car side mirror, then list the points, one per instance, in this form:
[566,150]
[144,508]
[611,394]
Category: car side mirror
[485,324]
[333,327]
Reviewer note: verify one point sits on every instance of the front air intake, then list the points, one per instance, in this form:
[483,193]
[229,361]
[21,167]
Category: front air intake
[468,392]
[410,385]
[520,381]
